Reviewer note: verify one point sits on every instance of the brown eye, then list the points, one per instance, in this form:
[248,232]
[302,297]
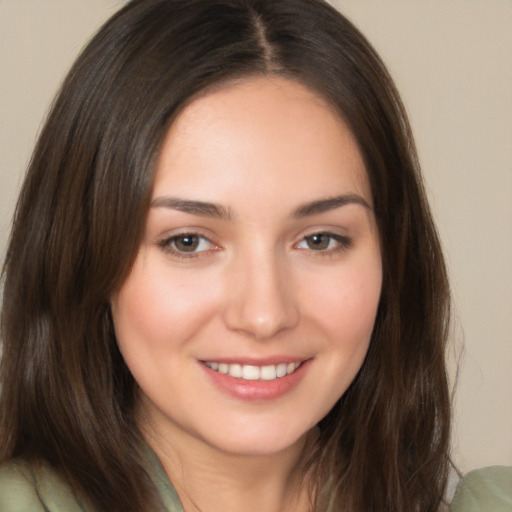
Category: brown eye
[324,242]
[318,242]
[186,243]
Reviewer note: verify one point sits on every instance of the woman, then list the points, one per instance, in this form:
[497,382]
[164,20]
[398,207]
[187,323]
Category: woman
[223,273]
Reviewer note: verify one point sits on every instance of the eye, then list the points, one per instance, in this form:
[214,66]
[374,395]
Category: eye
[186,244]
[324,242]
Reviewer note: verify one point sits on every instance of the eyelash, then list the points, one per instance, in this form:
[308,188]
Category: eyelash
[342,243]
[169,244]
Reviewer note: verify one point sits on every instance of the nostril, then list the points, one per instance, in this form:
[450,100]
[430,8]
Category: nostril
[262,324]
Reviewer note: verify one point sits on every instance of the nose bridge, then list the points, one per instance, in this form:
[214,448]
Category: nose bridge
[261,299]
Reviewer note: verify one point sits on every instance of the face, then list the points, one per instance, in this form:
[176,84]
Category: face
[250,305]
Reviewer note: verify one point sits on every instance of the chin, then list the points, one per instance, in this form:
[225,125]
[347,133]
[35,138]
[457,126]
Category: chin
[260,443]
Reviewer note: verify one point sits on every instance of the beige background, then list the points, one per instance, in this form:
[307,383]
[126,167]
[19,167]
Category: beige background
[452,61]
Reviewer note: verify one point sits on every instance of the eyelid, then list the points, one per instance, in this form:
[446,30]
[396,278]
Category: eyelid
[343,242]
[166,244]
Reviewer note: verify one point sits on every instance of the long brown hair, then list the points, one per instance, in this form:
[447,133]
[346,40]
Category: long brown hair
[67,397]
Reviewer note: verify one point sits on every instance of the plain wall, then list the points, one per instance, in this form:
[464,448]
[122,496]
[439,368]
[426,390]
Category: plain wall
[452,62]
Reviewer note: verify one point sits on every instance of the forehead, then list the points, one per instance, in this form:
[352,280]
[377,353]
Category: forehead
[260,132]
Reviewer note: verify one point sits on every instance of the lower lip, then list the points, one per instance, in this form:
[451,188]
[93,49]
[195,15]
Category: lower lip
[257,389]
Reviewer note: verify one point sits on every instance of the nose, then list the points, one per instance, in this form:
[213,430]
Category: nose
[261,301]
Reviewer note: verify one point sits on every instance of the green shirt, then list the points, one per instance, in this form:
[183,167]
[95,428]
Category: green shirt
[484,490]
[24,490]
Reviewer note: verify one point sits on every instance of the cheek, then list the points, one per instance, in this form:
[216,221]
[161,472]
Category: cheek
[157,309]
[347,315]
[346,303]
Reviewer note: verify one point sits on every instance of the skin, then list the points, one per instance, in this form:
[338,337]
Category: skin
[255,286]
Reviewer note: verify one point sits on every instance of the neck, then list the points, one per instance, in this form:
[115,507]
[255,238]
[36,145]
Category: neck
[210,480]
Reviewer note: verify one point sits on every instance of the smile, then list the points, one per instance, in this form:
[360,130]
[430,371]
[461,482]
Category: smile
[249,372]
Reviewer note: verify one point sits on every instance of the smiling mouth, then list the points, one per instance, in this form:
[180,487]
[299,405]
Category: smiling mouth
[250,372]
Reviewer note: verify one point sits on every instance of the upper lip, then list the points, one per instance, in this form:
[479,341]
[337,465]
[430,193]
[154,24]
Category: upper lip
[248,361]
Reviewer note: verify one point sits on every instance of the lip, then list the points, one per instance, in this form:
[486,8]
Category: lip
[257,361]
[257,390]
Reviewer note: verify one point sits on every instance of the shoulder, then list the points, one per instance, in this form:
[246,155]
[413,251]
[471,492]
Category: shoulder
[18,492]
[25,489]
[484,490]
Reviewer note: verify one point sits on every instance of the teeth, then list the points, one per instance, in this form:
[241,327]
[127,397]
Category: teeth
[281,369]
[235,370]
[248,372]
[268,372]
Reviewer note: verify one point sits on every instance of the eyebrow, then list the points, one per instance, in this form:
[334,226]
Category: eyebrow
[193,207]
[218,211]
[328,204]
